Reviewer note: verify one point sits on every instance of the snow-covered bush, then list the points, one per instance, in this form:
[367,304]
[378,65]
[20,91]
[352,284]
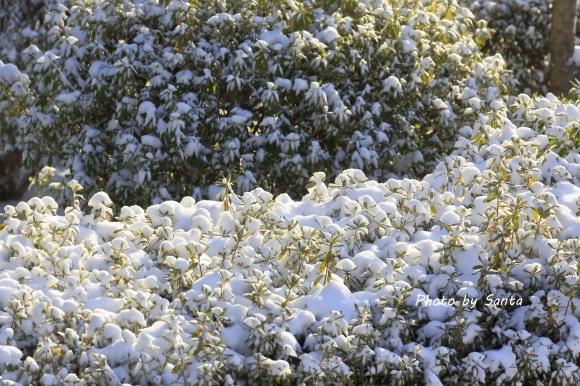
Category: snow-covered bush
[521,31]
[21,24]
[467,276]
[155,100]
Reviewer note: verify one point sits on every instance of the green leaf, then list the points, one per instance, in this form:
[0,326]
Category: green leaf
[199,348]
[318,279]
[492,196]
[433,210]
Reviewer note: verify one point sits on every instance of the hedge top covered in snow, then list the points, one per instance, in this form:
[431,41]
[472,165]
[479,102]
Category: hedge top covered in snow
[469,275]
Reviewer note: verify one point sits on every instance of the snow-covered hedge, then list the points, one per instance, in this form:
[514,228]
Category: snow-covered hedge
[155,100]
[521,31]
[470,275]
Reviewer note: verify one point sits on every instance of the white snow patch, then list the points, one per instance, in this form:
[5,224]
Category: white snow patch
[275,37]
[328,35]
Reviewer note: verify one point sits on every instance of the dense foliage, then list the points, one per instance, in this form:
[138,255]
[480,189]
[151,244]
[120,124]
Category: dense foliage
[521,31]
[466,276]
[329,290]
[155,100]
[22,24]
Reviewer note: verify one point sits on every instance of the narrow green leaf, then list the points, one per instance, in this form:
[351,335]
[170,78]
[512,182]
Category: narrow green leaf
[318,280]
[492,196]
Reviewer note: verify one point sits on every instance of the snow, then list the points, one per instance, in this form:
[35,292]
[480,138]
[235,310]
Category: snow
[151,141]
[105,304]
[241,116]
[68,98]
[130,318]
[283,83]
[148,109]
[408,45]
[300,85]
[100,198]
[568,196]
[504,358]
[392,84]
[468,259]
[302,320]
[9,73]
[450,218]
[576,56]
[346,265]
[335,296]
[275,37]
[7,288]
[98,69]
[328,35]
[357,271]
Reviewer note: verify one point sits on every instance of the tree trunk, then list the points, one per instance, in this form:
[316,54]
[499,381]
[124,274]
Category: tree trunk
[13,183]
[562,36]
